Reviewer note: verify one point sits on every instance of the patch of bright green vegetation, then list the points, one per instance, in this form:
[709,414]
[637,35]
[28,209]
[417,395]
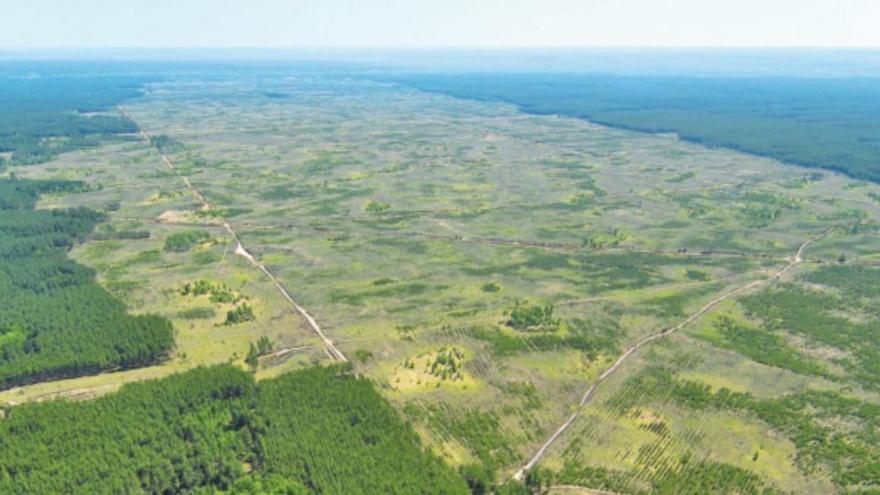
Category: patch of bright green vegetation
[376,207]
[490,287]
[612,238]
[217,292]
[479,431]
[856,282]
[526,317]
[205,257]
[240,314]
[108,232]
[148,256]
[55,321]
[320,429]
[593,337]
[181,242]
[263,347]
[446,364]
[363,355]
[811,314]
[197,314]
[258,484]
[696,275]
[763,346]
[849,454]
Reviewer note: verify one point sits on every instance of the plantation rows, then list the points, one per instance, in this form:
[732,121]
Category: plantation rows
[814,315]
[664,463]
[851,455]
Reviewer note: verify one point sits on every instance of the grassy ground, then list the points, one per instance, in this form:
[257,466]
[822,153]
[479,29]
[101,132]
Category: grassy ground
[411,224]
[137,194]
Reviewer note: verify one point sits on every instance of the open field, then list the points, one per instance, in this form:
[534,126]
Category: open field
[484,267]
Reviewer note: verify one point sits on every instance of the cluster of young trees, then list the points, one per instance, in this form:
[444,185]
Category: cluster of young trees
[240,314]
[686,475]
[447,364]
[810,419]
[55,320]
[166,144]
[219,293]
[480,432]
[593,337]
[524,316]
[263,347]
[318,430]
[764,347]
[816,316]
[181,242]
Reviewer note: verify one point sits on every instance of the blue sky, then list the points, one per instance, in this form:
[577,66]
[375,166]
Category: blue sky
[437,23]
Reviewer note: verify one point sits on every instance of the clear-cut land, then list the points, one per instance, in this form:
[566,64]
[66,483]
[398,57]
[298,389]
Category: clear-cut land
[485,267]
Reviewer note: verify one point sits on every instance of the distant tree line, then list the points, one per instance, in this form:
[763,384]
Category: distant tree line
[828,123]
[43,117]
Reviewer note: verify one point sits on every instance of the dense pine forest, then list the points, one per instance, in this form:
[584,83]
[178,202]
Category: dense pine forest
[55,320]
[41,117]
[318,430]
[338,435]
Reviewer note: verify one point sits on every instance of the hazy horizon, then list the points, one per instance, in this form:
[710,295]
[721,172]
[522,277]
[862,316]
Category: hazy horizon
[799,62]
[439,24]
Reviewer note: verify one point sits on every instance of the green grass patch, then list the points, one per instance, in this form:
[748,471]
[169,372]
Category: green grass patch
[763,346]
[181,242]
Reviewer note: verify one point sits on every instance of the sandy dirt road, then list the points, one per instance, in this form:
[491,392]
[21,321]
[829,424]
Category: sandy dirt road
[329,347]
[796,260]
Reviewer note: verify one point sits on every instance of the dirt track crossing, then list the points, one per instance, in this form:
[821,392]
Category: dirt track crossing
[588,395]
[329,348]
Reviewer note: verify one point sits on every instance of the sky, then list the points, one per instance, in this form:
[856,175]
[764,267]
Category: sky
[437,23]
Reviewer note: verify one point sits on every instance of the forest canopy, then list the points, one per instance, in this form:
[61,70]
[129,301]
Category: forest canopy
[55,320]
[315,430]
[43,117]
